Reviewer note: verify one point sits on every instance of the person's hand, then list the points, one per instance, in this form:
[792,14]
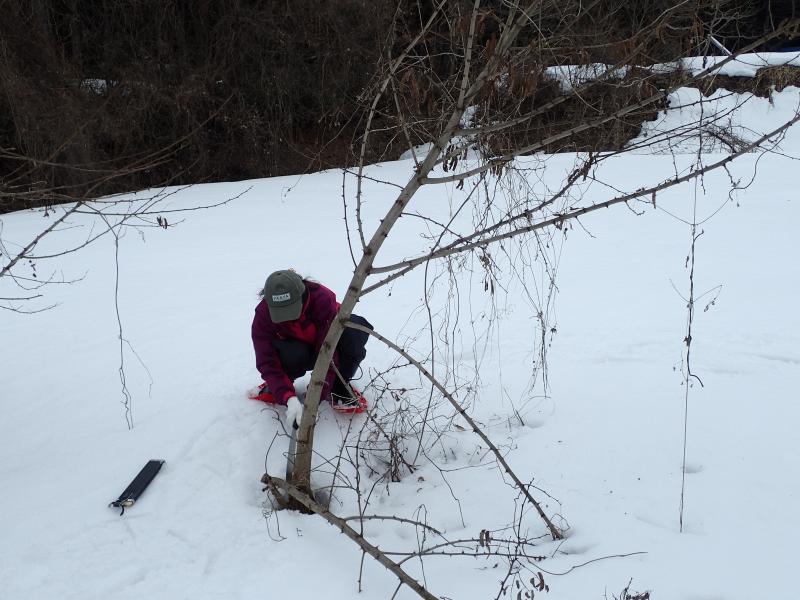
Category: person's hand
[294,412]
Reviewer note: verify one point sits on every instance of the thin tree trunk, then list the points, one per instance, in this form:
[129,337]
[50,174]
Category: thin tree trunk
[301,476]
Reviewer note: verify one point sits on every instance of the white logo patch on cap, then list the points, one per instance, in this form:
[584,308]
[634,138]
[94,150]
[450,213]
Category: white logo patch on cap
[281,297]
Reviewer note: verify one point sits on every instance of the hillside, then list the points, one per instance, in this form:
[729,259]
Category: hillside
[602,442]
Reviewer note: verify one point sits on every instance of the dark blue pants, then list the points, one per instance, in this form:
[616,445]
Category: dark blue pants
[298,357]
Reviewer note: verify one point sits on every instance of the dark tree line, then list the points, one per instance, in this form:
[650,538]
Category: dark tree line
[236,88]
[202,90]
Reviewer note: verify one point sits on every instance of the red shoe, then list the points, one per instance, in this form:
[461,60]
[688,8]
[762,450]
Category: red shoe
[349,406]
[262,394]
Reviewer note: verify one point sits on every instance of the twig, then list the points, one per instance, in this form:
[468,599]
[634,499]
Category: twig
[560,219]
[554,532]
[342,525]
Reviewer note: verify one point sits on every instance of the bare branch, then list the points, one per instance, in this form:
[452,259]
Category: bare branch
[562,218]
[554,532]
[342,525]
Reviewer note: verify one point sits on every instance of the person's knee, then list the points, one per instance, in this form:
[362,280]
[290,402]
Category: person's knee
[353,340]
[351,347]
[296,357]
[359,320]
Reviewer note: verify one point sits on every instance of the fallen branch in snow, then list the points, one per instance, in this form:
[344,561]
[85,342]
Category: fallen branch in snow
[487,550]
[341,524]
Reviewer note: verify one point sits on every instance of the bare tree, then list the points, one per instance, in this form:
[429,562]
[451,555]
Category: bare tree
[24,274]
[60,204]
[482,93]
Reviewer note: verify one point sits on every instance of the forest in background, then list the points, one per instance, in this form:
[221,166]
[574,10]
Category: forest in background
[113,95]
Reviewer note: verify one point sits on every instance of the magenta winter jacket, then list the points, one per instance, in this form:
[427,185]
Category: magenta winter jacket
[319,310]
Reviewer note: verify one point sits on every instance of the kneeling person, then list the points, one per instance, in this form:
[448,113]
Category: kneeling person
[289,326]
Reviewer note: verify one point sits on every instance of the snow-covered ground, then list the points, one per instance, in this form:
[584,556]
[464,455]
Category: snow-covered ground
[743,65]
[605,442]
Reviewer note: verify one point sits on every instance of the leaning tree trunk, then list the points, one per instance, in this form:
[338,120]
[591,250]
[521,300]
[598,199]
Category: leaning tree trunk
[301,477]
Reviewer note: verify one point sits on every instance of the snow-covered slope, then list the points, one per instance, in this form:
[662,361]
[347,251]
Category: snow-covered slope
[605,441]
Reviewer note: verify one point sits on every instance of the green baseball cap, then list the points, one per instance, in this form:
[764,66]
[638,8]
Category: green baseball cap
[283,292]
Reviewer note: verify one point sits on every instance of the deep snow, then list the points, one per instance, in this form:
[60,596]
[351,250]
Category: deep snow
[605,441]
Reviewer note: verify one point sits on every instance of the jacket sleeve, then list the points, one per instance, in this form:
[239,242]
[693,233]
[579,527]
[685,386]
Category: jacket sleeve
[267,361]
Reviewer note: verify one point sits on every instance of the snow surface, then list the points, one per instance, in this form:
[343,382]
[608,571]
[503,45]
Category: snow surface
[722,122]
[743,65]
[605,440]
